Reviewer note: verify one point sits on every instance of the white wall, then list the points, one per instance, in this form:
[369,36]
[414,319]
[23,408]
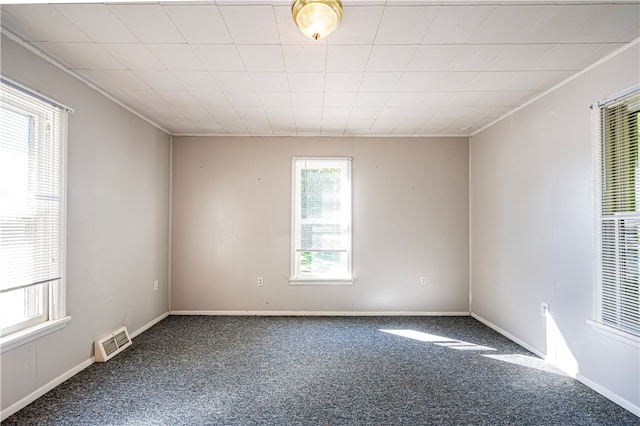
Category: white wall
[532,227]
[117,220]
[231,224]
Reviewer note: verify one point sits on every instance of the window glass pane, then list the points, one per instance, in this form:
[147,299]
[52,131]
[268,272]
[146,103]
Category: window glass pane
[619,214]
[21,306]
[322,218]
[31,203]
[325,263]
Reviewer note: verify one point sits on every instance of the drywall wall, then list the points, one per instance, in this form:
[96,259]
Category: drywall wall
[231,224]
[532,229]
[117,225]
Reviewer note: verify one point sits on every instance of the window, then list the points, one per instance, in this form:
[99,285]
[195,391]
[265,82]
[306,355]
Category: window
[32,148]
[321,221]
[618,175]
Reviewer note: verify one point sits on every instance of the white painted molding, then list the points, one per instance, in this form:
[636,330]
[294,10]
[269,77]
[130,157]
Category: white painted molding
[509,336]
[325,313]
[628,405]
[149,325]
[19,405]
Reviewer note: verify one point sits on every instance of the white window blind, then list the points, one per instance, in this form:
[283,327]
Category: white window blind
[619,212]
[321,219]
[31,207]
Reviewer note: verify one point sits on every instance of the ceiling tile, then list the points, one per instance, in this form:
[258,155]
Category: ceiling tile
[572,56]
[371,99]
[223,113]
[356,127]
[616,23]
[176,56]
[199,23]
[233,81]
[178,98]
[196,80]
[390,57]
[210,98]
[379,81]
[160,80]
[269,81]
[262,58]
[275,99]
[80,55]
[306,82]
[133,56]
[148,22]
[146,97]
[510,22]
[251,24]
[339,99]
[342,82]
[519,57]
[305,58]
[347,58]
[364,113]
[219,57]
[404,24]
[307,99]
[97,22]
[337,114]
[114,79]
[456,24]
[434,81]
[434,57]
[41,22]
[308,114]
[243,99]
[476,58]
[359,25]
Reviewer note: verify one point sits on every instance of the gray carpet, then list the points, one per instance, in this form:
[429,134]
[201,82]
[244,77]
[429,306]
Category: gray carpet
[322,371]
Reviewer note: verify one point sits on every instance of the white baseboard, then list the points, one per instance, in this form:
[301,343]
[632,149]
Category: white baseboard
[509,336]
[324,313]
[149,325]
[19,405]
[628,405]
[634,409]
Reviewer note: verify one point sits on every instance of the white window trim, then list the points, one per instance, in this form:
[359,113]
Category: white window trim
[24,336]
[57,295]
[317,280]
[596,323]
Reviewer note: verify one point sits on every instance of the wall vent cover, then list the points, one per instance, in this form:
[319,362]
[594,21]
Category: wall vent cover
[111,345]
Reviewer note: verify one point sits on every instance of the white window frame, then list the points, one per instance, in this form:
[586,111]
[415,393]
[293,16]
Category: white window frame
[298,278]
[599,324]
[54,304]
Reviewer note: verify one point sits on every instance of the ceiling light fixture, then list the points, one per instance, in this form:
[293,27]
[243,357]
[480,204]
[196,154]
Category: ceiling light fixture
[317,18]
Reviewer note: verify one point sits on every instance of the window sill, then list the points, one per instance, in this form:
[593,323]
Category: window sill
[321,281]
[614,333]
[27,335]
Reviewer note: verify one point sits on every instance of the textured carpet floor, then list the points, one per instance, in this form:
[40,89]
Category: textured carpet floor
[322,371]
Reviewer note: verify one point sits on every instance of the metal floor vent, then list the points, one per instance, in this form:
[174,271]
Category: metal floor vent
[111,345]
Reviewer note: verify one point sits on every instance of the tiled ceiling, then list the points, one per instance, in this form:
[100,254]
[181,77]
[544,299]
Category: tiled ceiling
[405,68]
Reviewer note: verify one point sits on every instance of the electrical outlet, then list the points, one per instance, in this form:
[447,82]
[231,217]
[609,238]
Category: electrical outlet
[544,309]
[155,285]
[423,280]
[260,281]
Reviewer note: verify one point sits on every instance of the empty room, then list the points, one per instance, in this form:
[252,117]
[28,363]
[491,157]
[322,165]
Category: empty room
[320,212]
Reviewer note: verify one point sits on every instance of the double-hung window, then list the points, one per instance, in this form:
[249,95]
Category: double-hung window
[321,221]
[618,211]
[32,147]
